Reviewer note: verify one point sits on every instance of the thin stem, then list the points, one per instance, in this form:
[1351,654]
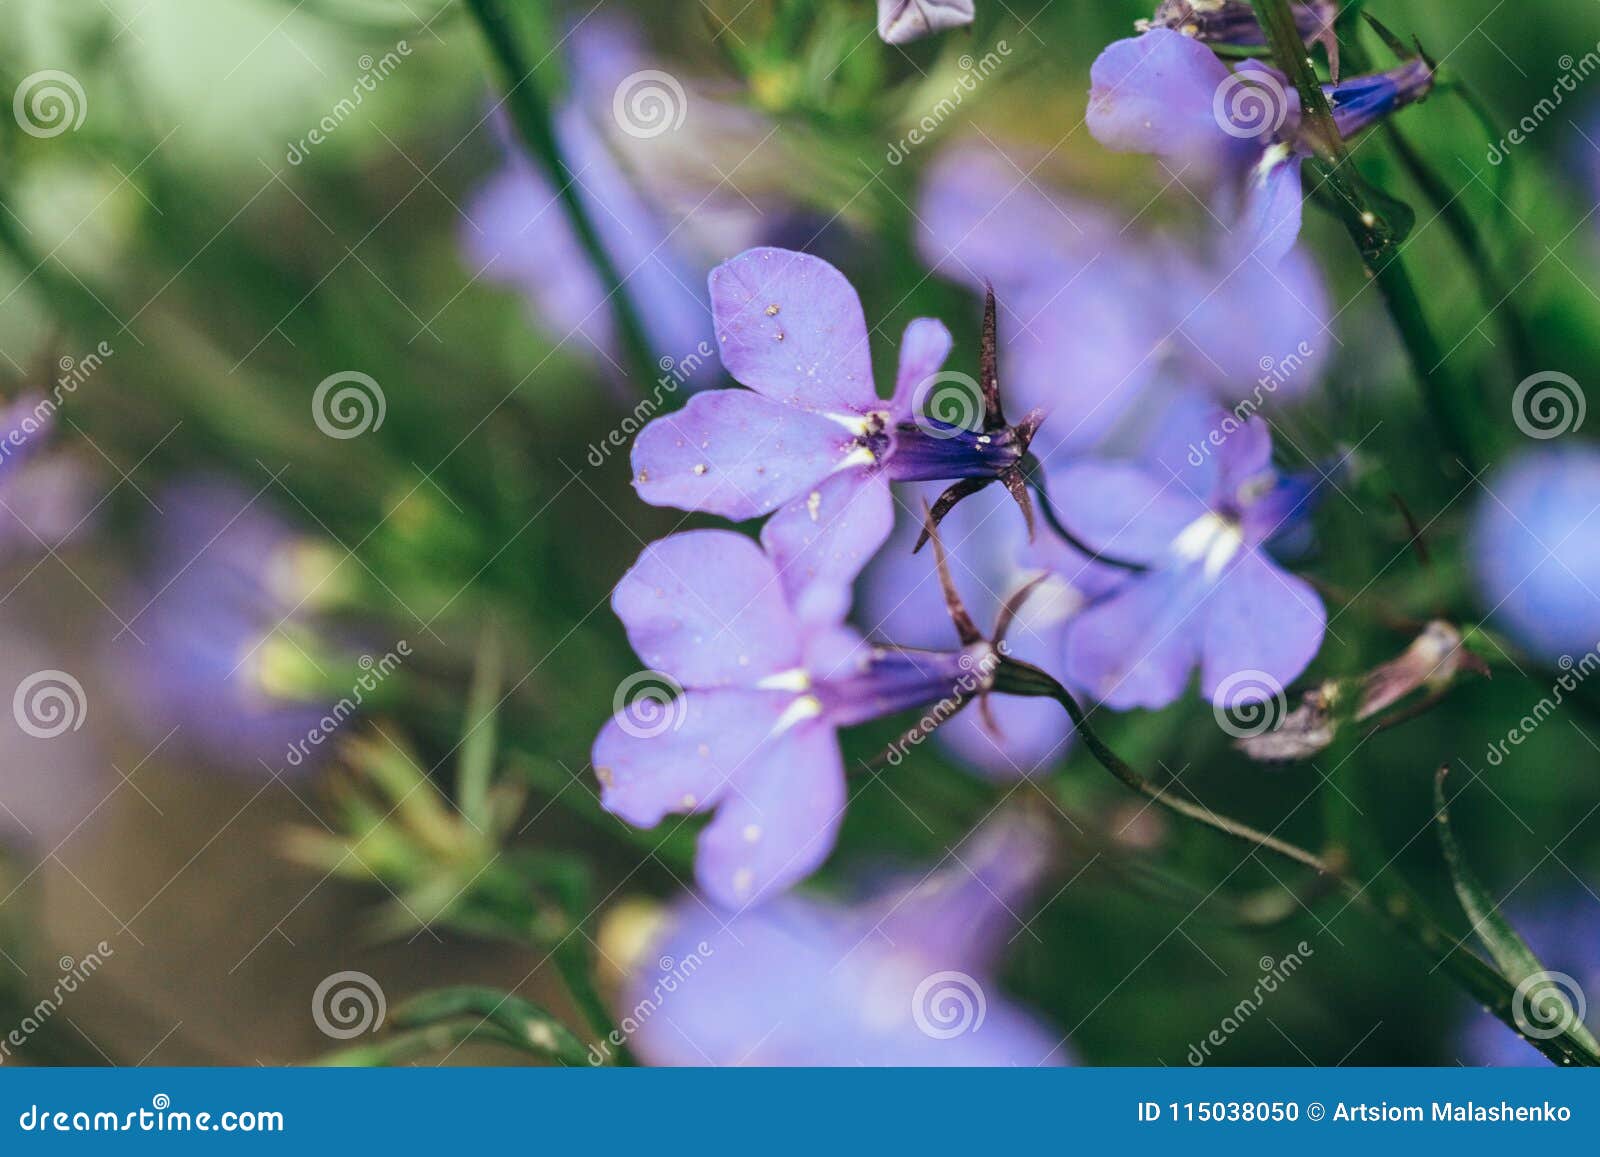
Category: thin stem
[1400,910]
[572,961]
[531,112]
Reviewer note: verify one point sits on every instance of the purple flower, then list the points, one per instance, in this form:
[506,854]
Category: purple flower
[754,636]
[902,21]
[903,976]
[1233,22]
[1213,597]
[1238,129]
[790,327]
[659,233]
[44,496]
[1535,550]
[228,648]
[1095,315]
[992,562]
[1564,933]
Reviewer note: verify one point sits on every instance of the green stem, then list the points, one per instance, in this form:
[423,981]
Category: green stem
[1402,913]
[572,961]
[1374,236]
[532,113]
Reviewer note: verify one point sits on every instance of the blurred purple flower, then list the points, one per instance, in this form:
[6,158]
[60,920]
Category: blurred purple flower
[1564,933]
[1095,315]
[768,675]
[1238,130]
[659,232]
[225,613]
[790,327]
[44,496]
[1234,22]
[1213,597]
[904,976]
[1534,546]
[902,21]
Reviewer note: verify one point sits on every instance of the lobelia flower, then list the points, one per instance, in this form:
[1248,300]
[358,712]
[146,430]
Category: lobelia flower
[755,638]
[1534,549]
[902,21]
[811,433]
[1564,932]
[1212,597]
[1233,22]
[659,234]
[903,976]
[1239,129]
[230,644]
[992,564]
[1096,316]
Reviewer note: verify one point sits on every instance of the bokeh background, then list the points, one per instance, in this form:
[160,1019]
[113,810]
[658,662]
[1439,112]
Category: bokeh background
[215,562]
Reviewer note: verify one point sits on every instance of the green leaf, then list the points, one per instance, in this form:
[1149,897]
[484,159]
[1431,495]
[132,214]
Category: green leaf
[479,742]
[1510,952]
[519,1022]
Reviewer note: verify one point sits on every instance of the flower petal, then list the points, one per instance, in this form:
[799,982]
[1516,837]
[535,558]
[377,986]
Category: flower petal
[1260,620]
[821,541]
[780,821]
[681,756]
[1269,221]
[902,21]
[790,326]
[923,349]
[706,608]
[1138,648]
[1121,509]
[734,453]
